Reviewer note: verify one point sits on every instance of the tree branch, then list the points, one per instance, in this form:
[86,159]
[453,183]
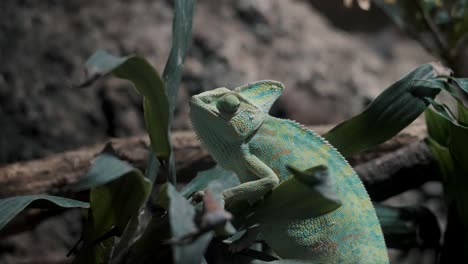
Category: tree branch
[406,168]
[55,173]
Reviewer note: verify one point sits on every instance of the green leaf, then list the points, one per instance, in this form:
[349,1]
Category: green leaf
[106,168]
[444,162]
[159,100]
[153,167]
[181,36]
[443,110]
[12,206]
[388,114]
[462,83]
[459,152]
[440,142]
[458,147]
[462,113]
[181,218]
[155,102]
[148,83]
[452,160]
[438,128]
[227,179]
[319,179]
[113,205]
[307,194]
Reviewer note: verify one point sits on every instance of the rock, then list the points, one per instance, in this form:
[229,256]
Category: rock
[330,75]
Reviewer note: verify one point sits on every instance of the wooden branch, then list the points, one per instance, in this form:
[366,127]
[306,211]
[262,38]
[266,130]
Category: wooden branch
[54,173]
[406,168]
[388,169]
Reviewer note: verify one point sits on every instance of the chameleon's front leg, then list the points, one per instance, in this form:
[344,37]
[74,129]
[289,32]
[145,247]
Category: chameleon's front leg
[256,189]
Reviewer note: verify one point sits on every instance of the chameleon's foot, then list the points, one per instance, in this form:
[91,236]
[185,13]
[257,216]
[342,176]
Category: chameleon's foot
[197,197]
[245,241]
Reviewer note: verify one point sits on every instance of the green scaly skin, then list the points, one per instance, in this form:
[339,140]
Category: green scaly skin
[240,135]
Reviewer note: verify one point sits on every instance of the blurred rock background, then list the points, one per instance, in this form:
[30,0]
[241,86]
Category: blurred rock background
[333,61]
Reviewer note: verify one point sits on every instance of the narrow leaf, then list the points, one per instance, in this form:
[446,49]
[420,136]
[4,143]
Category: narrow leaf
[172,75]
[12,206]
[181,36]
[153,167]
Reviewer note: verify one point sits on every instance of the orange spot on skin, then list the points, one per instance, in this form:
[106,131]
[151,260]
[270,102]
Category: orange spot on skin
[281,153]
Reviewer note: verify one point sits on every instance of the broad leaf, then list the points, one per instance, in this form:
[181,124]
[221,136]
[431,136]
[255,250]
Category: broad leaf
[445,163]
[439,128]
[148,83]
[181,218]
[106,168]
[307,194]
[462,113]
[388,114]
[10,207]
[452,160]
[462,83]
[227,179]
[113,205]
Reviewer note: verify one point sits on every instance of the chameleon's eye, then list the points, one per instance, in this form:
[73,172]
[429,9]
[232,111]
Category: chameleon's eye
[206,100]
[228,104]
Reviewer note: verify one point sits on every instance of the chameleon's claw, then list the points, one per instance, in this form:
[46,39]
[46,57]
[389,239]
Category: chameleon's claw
[197,197]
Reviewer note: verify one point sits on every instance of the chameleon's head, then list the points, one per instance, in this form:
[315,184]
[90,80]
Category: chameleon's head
[233,115]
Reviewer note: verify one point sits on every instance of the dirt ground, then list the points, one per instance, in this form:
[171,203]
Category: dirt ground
[332,60]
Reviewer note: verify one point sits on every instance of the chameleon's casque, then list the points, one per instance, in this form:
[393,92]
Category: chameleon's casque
[235,127]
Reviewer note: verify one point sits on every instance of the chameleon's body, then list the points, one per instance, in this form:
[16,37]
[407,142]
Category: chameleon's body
[236,129]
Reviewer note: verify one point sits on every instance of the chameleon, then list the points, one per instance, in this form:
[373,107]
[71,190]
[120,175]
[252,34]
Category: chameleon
[237,130]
